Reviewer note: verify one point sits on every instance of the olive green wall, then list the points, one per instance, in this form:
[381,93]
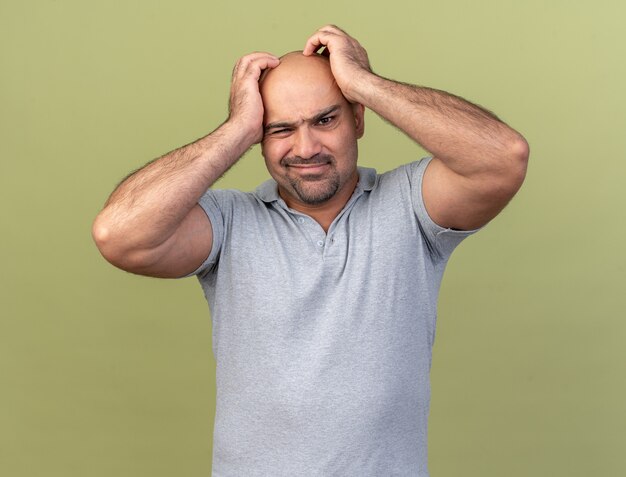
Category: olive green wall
[107,374]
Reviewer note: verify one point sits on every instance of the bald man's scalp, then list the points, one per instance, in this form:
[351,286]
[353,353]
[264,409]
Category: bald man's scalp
[294,58]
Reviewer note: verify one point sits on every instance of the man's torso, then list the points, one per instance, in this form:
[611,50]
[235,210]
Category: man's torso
[323,340]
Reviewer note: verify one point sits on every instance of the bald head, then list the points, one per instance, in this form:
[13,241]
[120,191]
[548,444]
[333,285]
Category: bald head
[294,65]
[299,88]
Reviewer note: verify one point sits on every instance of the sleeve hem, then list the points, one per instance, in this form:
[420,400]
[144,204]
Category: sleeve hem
[210,208]
[438,233]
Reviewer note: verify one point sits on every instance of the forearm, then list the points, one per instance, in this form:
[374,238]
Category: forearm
[147,208]
[467,138]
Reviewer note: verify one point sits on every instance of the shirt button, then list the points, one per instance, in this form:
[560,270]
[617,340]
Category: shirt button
[301,220]
[320,243]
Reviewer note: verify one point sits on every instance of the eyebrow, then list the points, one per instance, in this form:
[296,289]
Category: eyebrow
[314,119]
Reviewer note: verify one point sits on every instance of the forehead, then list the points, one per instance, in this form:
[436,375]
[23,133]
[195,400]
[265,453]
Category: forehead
[299,88]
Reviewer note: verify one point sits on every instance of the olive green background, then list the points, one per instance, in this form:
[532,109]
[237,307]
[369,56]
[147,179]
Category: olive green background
[107,374]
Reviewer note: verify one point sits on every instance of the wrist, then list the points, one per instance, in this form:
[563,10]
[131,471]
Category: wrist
[363,87]
[241,132]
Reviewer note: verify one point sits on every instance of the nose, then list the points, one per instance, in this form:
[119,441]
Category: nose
[306,143]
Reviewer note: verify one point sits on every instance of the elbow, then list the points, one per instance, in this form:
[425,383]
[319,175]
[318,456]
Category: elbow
[114,247]
[100,231]
[520,151]
[517,163]
[104,238]
[508,171]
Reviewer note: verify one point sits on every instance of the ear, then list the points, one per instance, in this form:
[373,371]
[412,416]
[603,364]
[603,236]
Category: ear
[359,117]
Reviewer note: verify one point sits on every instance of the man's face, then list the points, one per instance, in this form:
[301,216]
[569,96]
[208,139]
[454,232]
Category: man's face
[311,132]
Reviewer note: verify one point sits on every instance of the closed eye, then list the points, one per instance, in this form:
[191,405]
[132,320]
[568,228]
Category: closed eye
[278,132]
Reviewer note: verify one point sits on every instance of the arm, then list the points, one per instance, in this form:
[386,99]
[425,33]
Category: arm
[479,162]
[152,223]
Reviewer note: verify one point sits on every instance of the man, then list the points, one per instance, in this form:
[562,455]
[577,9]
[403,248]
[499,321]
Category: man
[323,282]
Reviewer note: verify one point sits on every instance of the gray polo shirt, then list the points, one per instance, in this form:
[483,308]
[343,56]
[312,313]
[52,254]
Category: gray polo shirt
[323,340]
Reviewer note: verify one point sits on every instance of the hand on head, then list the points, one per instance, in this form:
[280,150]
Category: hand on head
[245,105]
[348,62]
[348,59]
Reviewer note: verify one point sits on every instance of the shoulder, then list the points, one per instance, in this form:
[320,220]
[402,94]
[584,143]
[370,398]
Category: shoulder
[409,172]
[404,180]
[224,200]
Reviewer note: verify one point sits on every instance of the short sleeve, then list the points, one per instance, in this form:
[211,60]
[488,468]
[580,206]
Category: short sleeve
[442,240]
[211,204]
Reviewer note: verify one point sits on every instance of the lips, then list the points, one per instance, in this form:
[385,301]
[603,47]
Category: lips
[311,171]
[315,161]
[315,165]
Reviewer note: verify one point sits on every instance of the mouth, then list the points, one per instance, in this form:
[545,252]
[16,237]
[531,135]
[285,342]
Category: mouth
[311,168]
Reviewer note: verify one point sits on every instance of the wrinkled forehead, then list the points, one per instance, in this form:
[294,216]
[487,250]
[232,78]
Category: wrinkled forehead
[299,85]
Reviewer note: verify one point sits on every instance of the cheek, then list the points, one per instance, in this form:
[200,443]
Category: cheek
[345,144]
[274,151]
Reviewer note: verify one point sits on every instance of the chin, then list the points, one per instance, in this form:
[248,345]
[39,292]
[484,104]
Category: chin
[315,192]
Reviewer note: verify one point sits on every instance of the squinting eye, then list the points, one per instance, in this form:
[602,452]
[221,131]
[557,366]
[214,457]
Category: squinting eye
[326,120]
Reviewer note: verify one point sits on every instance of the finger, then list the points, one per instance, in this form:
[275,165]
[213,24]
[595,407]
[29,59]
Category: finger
[256,58]
[267,67]
[316,41]
[251,57]
[255,63]
[266,62]
[327,32]
[333,29]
